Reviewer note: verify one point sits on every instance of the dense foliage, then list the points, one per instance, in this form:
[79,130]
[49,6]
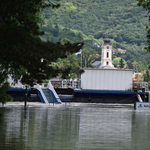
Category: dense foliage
[21,48]
[146,5]
[123,21]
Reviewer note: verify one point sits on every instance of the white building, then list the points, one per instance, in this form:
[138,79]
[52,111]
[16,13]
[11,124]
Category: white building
[107,79]
[122,51]
[105,76]
[106,57]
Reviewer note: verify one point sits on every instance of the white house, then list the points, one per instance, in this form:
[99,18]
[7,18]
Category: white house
[122,51]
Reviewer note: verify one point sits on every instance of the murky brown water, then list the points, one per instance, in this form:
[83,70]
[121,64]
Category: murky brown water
[73,126]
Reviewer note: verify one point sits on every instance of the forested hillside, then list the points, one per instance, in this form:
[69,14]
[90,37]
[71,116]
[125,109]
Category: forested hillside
[92,20]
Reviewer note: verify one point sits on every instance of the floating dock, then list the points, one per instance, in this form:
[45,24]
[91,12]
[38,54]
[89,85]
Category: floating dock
[96,96]
[70,91]
[85,96]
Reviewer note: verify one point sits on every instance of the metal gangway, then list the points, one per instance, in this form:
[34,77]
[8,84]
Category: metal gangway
[47,94]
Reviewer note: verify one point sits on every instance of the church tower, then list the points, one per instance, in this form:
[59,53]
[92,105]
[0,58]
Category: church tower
[106,56]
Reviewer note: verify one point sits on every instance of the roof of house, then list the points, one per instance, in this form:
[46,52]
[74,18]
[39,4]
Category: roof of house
[136,76]
[113,50]
[121,50]
[97,64]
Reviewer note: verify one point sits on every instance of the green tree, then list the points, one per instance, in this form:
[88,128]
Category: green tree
[65,40]
[117,62]
[121,63]
[69,67]
[56,30]
[135,68]
[146,5]
[146,75]
[130,64]
[88,57]
[21,46]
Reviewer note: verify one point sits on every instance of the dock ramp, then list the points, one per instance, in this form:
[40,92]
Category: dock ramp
[47,95]
[50,87]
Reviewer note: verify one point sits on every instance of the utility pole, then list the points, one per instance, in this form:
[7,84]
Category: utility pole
[25,102]
[81,57]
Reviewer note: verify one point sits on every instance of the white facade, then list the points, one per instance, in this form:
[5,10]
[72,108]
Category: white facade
[16,85]
[106,57]
[107,79]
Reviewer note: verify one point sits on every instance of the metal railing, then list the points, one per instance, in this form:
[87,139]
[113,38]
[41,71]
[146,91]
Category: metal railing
[141,85]
[66,83]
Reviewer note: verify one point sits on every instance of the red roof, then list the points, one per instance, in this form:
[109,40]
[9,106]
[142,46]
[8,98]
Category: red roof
[121,50]
[100,44]
[113,50]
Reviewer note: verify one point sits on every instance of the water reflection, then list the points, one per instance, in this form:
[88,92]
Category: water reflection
[105,128]
[38,128]
[141,130]
[74,127]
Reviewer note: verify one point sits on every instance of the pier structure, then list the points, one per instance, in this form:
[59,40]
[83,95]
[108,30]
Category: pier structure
[71,91]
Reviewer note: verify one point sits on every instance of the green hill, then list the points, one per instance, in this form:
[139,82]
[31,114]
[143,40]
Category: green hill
[92,20]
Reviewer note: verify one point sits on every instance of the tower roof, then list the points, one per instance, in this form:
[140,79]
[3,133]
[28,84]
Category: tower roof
[106,41]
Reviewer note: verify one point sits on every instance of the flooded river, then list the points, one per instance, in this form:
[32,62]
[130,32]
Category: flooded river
[74,126]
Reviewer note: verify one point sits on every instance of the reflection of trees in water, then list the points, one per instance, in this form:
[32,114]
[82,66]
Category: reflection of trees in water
[10,134]
[36,128]
[76,127]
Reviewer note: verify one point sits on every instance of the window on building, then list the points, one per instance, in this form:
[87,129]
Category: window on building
[107,63]
[107,54]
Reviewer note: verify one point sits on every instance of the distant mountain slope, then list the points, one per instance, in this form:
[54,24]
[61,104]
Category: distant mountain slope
[92,20]
[123,20]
